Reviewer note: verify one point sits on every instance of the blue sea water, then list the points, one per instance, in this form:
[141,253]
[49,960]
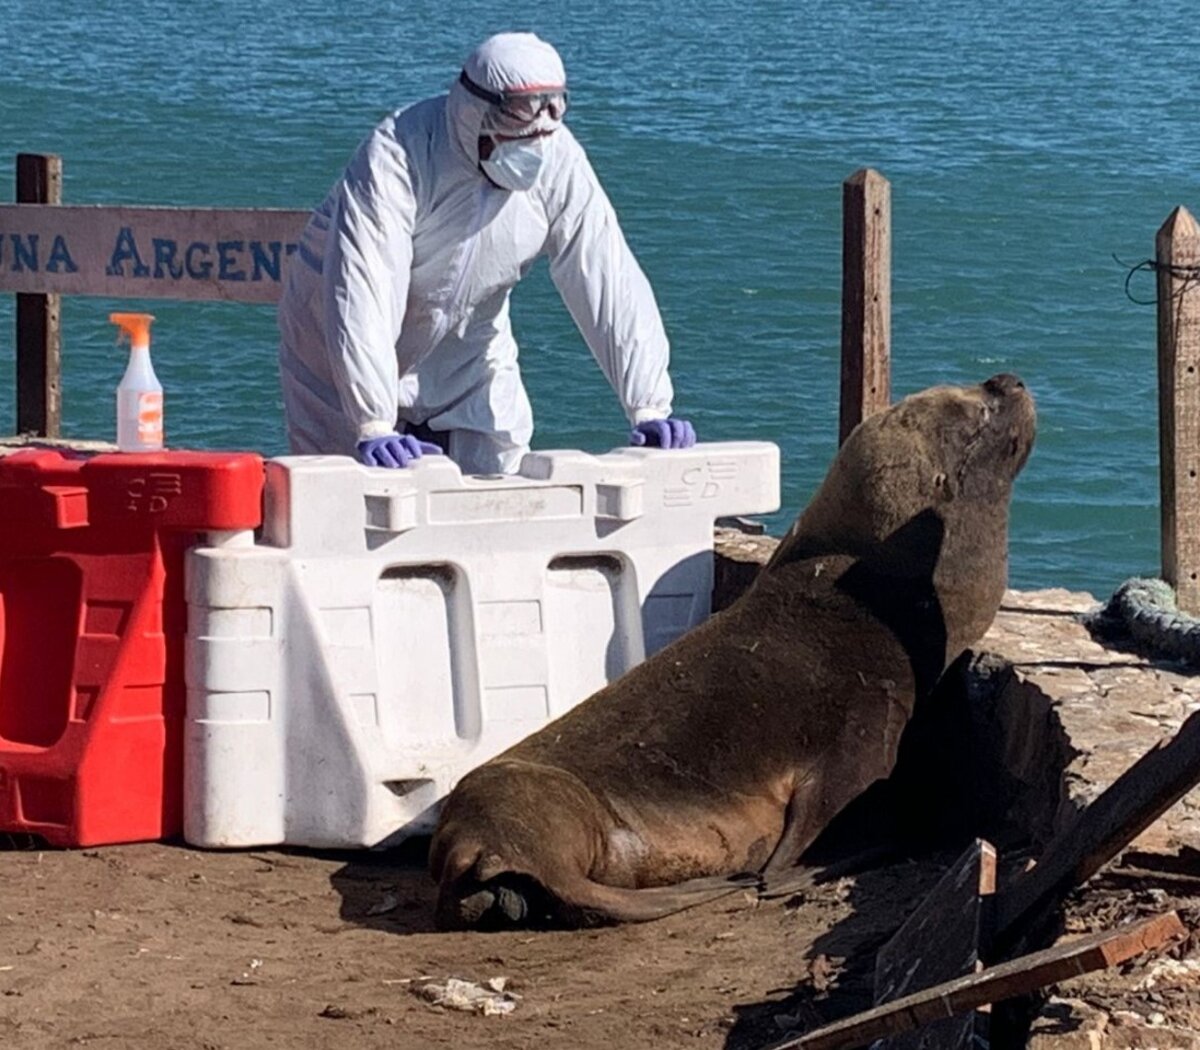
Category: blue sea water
[1027,144]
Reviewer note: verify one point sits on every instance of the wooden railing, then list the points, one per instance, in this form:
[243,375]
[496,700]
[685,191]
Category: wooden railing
[48,249]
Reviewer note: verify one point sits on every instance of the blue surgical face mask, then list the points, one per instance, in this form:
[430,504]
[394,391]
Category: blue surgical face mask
[515,163]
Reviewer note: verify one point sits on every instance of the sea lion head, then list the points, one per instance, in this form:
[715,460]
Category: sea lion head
[921,491]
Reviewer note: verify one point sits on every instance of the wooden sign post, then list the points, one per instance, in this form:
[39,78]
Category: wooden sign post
[866,298]
[1177,250]
[39,342]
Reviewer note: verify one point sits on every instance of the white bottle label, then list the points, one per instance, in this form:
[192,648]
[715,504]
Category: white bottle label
[150,418]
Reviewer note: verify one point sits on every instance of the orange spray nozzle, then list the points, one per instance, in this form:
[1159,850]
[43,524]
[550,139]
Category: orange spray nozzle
[136,327]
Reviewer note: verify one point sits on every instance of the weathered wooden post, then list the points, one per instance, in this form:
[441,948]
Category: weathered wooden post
[866,298]
[39,345]
[1177,251]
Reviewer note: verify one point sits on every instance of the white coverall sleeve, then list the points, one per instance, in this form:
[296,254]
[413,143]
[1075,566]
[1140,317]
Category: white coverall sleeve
[366,267]
[607,293]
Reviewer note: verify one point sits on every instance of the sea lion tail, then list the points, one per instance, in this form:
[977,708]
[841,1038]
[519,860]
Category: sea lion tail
[598,903]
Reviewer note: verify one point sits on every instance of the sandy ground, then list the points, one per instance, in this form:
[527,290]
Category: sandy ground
[160,945]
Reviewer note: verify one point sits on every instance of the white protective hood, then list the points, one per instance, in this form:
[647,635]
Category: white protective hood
[504,62]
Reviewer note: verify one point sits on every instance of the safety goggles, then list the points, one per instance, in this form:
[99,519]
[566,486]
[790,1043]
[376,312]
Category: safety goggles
[521,104]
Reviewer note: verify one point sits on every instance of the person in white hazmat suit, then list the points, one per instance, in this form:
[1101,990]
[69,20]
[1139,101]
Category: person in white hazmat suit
[394,323]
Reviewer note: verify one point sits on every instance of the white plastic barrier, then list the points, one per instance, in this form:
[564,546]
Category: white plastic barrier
[393,629]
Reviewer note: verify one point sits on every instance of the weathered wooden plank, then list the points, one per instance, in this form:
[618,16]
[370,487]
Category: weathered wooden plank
[866,298]
[237,254]
[1133,801]
[943,939]
[1010,979]
[1178,256]
[38,332]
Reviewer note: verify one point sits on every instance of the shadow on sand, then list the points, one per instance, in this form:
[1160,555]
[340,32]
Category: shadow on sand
[949,787]
[388,890]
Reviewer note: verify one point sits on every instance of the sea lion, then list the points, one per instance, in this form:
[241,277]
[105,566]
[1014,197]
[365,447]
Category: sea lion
[731,749]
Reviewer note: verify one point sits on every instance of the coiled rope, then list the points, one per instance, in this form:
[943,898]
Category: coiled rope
[1145,611]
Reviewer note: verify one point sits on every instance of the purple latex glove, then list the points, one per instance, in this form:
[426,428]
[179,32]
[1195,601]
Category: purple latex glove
[394,450]
[664,433]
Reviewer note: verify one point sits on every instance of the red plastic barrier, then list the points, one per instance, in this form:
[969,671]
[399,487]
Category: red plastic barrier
[92,624]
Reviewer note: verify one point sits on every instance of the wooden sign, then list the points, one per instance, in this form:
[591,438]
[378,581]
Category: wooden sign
[236,254]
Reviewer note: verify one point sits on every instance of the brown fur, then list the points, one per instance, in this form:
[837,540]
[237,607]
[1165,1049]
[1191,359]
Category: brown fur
[730,750]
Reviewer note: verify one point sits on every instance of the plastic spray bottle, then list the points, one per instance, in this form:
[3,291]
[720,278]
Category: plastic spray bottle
[139,394]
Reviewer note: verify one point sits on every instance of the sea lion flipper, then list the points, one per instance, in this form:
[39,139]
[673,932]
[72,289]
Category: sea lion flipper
[809,810]
[618,904]
[819,796]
